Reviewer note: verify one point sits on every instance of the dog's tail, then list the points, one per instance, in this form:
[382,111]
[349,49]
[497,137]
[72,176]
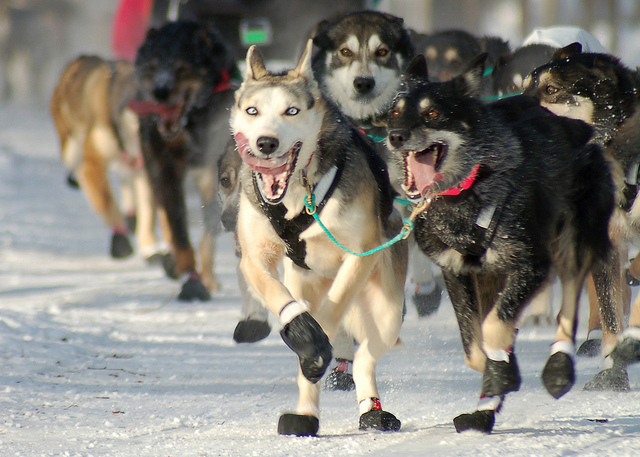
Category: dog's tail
[594,202]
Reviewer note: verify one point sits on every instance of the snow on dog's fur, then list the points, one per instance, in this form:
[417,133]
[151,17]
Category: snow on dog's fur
[292,143]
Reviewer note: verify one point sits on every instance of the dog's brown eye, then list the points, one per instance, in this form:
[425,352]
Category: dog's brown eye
[395,113]
[346,52]
[432,114]
[382,52]
[225,182]
[551,90]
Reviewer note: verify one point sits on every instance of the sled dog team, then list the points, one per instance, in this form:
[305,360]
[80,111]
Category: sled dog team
[339,171]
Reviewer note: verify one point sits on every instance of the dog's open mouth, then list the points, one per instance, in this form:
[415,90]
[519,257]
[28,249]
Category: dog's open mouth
[421,169]
[171,118]
[273,173]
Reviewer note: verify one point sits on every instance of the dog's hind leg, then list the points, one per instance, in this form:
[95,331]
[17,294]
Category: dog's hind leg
[608,285]
[558,375]
[94,181]
[207,182]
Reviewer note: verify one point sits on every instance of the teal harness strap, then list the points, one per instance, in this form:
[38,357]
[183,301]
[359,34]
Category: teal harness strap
[310,205]
[499,97]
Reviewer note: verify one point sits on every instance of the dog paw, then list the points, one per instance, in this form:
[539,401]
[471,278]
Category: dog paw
[251,330]
[169,266]
[558,375]
[339,380]
[427,302]
[72,181]
[614,379]
[193,289]
[120,246]
[627,351]
[590,348]
[298,425]
[501,377]
[305,337]
[481,421]
[377,419]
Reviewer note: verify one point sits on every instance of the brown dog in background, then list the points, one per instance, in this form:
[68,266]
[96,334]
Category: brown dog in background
[98,132]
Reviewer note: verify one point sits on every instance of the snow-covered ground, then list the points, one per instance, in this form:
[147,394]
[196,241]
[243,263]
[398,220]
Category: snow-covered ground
[98,359]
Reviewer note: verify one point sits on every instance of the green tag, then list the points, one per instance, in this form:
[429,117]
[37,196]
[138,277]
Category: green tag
[255,31]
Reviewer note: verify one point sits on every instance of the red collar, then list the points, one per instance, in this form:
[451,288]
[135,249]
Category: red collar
[464,184]
[224,83]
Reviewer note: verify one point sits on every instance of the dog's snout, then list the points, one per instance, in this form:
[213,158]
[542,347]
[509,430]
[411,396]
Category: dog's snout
[162,84]
[267,145]
[398,137]
[364,84]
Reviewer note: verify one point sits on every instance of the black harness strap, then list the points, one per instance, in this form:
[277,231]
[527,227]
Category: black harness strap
[289,230]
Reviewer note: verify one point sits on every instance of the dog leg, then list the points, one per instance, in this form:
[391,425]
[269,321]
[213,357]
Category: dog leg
[93,178]
[254,325]
[300,331]
[128,198]
[166,167]
[150,248]
[305,421]
[558,375]
[461,290]
[372,416]
[343,351]
[592,346]
[350,279]
[608,285]
[207,182]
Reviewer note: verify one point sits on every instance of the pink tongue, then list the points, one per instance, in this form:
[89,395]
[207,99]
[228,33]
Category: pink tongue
[422,167]
[274,184]
[264,166]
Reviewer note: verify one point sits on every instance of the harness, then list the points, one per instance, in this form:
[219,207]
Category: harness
[289,230]
[486,221]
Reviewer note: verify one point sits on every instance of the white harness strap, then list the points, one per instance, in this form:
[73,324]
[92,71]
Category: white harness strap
[323,186]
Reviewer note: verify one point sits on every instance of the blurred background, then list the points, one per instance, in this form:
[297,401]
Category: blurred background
[38,37]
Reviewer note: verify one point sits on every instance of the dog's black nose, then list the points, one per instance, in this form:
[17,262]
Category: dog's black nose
[398,137]
[161,93]
[267,145]
[364,84]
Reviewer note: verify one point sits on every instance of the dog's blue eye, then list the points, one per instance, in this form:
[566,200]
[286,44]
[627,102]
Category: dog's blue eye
[252,111]
[292,111]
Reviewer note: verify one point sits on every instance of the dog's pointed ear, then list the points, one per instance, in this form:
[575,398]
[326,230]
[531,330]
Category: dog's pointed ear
[303,68]
[255,64]
[567,51]
[417,69]
[470,82]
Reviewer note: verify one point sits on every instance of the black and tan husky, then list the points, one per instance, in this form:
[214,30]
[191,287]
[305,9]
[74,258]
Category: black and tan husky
[600,90]
[514,194]
[301,157]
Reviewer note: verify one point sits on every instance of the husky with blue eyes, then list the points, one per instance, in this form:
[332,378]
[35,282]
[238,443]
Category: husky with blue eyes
[307,173]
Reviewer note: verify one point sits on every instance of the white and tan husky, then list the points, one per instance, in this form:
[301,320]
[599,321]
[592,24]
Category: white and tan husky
[295,146]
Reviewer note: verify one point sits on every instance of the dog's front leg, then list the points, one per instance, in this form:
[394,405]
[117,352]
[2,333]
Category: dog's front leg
[347,284]
[262,251]
[463,297]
